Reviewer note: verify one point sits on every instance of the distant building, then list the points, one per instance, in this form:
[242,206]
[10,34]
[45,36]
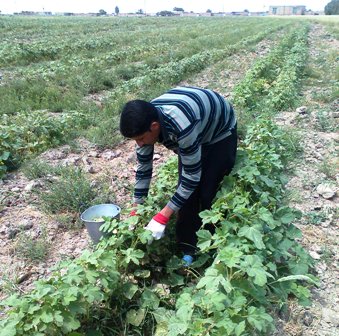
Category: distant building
[258,13]
[26,13]
[243,13]
[287,10]
[187,14]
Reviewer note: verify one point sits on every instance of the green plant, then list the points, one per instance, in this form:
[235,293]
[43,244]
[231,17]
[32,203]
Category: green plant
[35,169]
[29,133]
[328,167]
[9,279]
[325,122]
[294,195]
[316,217]
[32,248]
[327,255]
[71,192]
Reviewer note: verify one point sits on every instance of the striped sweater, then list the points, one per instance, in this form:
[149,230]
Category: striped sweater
[189,118]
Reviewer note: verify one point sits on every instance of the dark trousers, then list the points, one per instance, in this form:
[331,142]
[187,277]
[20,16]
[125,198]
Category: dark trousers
[217,161]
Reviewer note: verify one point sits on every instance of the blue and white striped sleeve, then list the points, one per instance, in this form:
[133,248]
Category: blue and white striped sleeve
[144,172]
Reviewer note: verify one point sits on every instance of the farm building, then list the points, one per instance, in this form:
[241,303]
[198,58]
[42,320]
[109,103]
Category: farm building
[287,10]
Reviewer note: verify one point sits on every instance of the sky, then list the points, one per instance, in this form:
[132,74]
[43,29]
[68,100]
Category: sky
[151,6]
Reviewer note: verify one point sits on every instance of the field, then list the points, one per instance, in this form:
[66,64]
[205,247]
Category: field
[269,269]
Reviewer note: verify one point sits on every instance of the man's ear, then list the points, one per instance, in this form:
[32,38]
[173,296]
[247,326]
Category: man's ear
[155,126]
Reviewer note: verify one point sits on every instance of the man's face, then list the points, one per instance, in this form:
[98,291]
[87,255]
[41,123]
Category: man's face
[150,137]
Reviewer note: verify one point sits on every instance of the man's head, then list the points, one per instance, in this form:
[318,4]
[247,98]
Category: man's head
[139,121]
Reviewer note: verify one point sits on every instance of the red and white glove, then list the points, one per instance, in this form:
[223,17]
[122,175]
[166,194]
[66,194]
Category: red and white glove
[133,213]
[157,226]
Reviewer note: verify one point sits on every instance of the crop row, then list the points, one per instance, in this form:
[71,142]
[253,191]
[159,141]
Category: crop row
[19,141]
[113,52]
[15,52]
[175,71]
[248,267]
[272,81]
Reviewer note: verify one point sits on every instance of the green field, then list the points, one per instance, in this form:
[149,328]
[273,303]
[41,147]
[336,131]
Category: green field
[65,78]
[75,74]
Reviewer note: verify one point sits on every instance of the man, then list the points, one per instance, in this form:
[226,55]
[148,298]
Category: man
[200,126]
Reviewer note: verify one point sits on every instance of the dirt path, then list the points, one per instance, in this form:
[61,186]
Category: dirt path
[313,189]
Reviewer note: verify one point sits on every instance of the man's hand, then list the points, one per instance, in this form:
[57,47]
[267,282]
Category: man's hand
[157,226]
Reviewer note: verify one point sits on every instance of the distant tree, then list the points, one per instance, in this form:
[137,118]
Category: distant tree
[165,13]
[140,11]
[332,8]
[178,9]
[246,11]
[102,12]
[208,11]
[116,10]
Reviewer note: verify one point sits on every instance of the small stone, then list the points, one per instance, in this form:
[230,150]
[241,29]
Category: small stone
[315,255]
[307,318]
[27,226]
[72,161]
[301,109]
[108,155]
[91,170]
[55,154]
[86,160]
[330,316]
[326,191]
[93,154]
[15,189]
[156,157]
[30,186]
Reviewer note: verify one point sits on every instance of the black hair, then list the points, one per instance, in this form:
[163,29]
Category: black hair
[136,118]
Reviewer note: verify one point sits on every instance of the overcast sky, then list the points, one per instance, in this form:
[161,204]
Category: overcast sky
[150,6]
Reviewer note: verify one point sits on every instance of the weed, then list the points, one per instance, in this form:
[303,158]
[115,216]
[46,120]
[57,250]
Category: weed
[9,279]
[294,195]
[327,255]
[316,217]
[68,221]
[71,192]
[328,167]
[37,168]
[325,96]
[32,248]
[325,122]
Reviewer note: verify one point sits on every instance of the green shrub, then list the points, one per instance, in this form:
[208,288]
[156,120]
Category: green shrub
[32,248]
[71,192]
[35,169]
[32,132]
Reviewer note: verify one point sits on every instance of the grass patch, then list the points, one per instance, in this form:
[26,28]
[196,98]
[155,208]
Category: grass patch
[32,248]
[71,192]
[37,169]
[328,167]
[326,122]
